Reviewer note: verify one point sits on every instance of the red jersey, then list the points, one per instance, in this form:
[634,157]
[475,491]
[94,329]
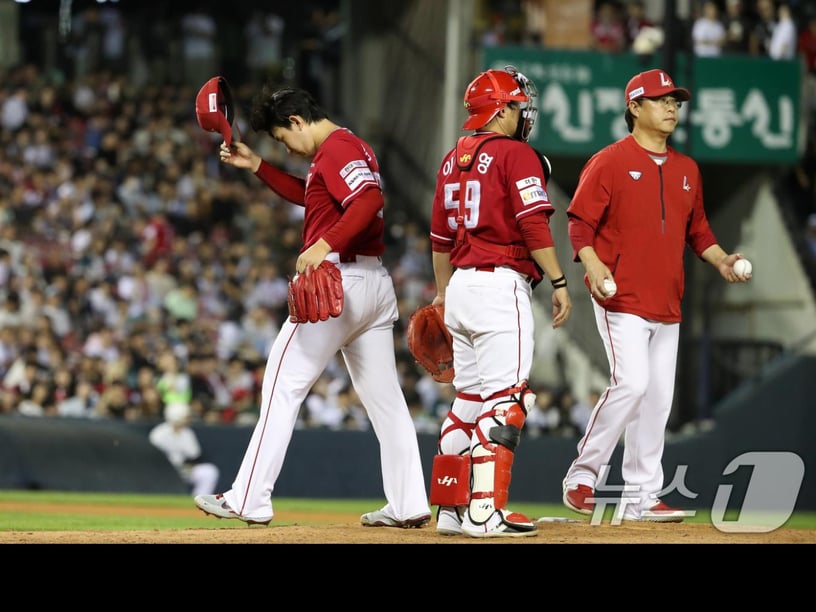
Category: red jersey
[643,215]
[158,237]
[807,48]
[505,184]
[343,167]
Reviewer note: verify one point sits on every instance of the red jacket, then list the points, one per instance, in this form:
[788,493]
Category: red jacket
[639,217]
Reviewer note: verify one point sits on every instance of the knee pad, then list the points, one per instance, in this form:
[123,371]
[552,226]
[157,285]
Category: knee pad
[450,480]
[509,414]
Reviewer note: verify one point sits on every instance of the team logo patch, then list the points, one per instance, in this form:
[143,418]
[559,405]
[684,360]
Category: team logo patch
[357,176]
[527,182]
[533,194]
[465,159]
[351,166]
[635,174]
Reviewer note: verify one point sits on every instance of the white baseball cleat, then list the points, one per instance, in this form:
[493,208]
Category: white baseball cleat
[448,521]
[501,524]
[216,505]
[379,518]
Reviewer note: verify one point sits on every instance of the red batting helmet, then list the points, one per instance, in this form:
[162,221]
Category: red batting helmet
[492,90]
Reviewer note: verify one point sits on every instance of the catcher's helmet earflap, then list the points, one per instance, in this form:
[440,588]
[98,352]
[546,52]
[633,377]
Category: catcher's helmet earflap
[492,90]
[215,108]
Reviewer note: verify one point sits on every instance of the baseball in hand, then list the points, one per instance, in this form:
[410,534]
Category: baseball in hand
[610,288]
[743,267]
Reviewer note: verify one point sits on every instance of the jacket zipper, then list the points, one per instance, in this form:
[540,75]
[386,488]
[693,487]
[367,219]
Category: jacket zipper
[662,202]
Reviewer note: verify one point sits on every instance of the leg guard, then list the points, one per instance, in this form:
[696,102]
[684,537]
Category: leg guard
[450,473]
[498,433]
[450,480]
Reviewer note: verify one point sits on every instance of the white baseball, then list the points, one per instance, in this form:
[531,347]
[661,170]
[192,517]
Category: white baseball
[743,267]
[610,288]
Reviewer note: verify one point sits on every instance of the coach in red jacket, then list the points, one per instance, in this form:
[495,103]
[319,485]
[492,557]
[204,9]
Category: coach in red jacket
[638,204]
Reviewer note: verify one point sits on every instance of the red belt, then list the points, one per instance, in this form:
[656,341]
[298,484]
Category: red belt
[356,257]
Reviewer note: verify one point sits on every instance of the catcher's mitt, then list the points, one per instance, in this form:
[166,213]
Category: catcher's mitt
[430,342]
[316,295]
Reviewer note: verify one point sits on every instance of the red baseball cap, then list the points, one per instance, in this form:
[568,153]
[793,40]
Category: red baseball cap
[654,84]
[214,107]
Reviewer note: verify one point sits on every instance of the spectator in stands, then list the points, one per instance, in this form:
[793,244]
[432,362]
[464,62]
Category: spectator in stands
[8,348]
[81,403]
[39,402]
[264,35]
[115,402]
[84,43]
[6,266]
[636,20]
[494,34]
[544,417]
[260,328]
[534,22]
[14,110]
[564,402]
[806,46]
[354,415]
[738,26]
[199,51]
[160,281]
[803,179]
[10,313]
[759,43]
[810,236]
[784,40]
[174,384]
[180,444]
[181,302]
[608,31]
[708,31]
[144,391]
[157,238]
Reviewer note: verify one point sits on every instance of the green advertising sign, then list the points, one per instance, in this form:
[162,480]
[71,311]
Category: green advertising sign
[742,109]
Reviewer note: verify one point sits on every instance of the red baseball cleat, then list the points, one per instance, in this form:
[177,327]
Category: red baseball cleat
[575,498]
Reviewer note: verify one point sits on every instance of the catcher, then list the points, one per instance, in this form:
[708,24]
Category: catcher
[341,299]
[491,245]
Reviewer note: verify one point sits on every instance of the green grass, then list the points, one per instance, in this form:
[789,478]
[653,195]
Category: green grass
[152,512]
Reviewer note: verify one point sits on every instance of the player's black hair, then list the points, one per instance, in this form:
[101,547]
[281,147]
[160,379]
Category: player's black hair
[629,118]
[273,105]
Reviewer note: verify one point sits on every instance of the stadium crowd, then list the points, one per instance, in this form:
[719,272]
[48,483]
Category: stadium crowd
[136,271]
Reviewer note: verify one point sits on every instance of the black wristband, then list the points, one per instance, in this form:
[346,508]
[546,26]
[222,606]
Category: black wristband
[557,283]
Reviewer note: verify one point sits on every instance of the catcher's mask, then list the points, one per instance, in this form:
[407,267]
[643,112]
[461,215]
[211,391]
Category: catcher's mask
[215,108]
[492,90]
